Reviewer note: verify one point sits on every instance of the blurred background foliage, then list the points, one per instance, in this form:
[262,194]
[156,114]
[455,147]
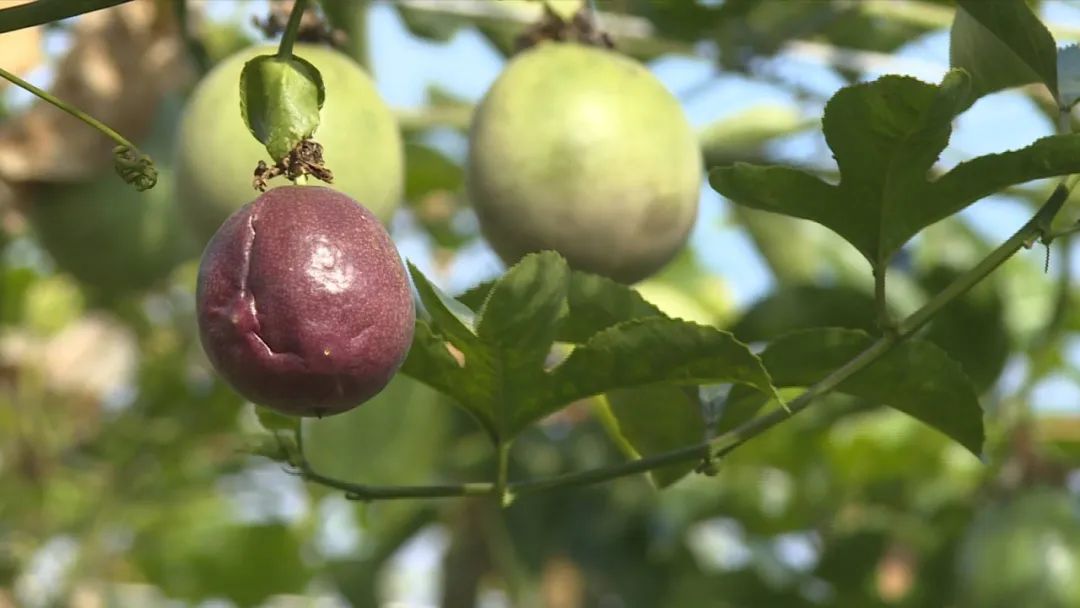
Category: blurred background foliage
[126,475]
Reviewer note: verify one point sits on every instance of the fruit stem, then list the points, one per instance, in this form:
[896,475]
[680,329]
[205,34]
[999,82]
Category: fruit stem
[365,492]
[48,11]
[63,105]
[292,30]
[502,449]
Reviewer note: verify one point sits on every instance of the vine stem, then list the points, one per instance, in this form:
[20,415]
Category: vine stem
[70,109]
[722,445]
[47,11]
[292,30]
[718,447]
[728,442]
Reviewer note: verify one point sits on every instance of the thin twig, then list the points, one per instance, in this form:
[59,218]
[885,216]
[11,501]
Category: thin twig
[48,11]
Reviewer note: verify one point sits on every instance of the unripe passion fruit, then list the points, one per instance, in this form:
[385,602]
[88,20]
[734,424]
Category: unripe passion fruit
[583,151]
[303,303]
[1023,553]
[216,154]
[111,237]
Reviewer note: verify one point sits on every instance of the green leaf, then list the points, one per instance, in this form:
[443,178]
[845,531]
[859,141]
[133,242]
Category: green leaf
[448,316]
[430,26]
[280,101]
[273,421]
[1002,44]
[468,382]
[915,377]
[518,325]
[972,328]
[649,351]
[595,303]
[658,418]
[795,307]
[504,380]
[427,170]
[195,553]
[886,136]
[743,134]
[523,309]
[475,296]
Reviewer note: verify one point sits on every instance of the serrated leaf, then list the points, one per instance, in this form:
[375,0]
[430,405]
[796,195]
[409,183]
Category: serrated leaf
[524,307]
[467,380]
[595,303]
[915,377]
[1068,70]
[971,329]
[1002,44]
[517,326]
[794,307]
[475,296]
[886,136]
[658,418]
[648,351]
[504,380]
[448,316]
[280,101]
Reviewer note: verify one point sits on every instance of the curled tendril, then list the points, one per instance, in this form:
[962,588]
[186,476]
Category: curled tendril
[135,167]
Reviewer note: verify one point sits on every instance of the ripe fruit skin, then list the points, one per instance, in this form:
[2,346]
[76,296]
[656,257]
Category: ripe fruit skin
[583,151]
[303,303]
[216,155]
[1023,553]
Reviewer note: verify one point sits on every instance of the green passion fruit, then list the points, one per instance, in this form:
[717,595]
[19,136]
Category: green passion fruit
[110,237]
[1024,552]
[581,150]
[216,155]
[303,303]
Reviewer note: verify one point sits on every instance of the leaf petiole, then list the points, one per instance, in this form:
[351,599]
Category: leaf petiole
[292,30]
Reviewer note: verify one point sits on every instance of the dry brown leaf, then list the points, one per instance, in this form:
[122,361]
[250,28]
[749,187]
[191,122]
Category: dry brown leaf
[123,61]
[21,49]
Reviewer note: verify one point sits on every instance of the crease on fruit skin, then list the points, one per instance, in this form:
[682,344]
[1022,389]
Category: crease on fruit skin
[248,298]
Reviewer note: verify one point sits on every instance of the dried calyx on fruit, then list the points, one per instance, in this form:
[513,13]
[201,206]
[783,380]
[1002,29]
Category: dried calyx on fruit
[216,153]
[303,303]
